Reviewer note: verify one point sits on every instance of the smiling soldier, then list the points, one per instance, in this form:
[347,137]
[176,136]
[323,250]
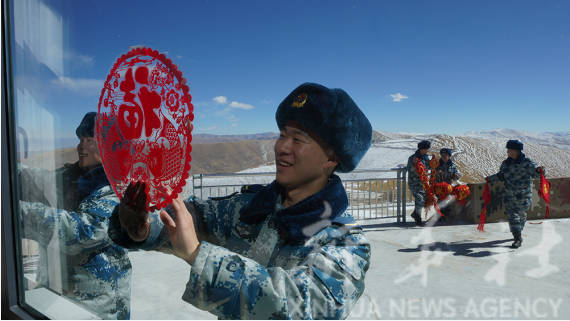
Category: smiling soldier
[288,250]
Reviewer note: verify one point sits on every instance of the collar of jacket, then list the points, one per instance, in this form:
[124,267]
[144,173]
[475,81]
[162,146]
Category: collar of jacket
[518,160]
[91,181]
[301,221]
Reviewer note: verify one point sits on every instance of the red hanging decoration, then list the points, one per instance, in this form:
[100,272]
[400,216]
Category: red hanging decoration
[486,201]
[442,190]
[430,197]
[544,192]
[433,164]
[461,193]
[144,126]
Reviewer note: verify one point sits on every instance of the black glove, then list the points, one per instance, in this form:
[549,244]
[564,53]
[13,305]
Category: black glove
[132,212]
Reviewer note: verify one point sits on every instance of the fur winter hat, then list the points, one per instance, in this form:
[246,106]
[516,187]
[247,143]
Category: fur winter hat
[515,144]
[424,144]
[333,116]
[86,128]
[446,151]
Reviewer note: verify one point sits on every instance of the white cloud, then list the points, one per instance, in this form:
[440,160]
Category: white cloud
[221,100]
[397,97]
[239,105]
[80,85]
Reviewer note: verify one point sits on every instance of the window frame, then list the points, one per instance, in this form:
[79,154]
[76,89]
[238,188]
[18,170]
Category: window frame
[13,303]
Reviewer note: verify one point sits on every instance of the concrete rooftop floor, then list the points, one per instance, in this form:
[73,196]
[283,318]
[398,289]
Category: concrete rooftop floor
[432,272]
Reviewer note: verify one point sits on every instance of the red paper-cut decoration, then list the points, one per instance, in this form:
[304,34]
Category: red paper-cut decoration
[143,126]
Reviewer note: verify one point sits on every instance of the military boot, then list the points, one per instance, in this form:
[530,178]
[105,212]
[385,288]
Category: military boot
[518,240]
[417,218]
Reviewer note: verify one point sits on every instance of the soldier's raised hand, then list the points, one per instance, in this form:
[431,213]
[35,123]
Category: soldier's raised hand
[182,233]
[132,212]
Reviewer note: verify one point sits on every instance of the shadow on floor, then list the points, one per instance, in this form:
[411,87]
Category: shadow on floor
[463,248]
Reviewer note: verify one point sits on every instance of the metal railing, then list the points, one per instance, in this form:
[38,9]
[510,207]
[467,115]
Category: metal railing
[372,193]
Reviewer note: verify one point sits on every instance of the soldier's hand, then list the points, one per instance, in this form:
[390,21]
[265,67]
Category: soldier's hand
[132,212]
[540,169]
[182,232]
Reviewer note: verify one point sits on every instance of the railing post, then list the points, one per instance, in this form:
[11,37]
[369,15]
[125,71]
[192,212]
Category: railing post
[398,192]
[370,201]
[404,183]
[201,186]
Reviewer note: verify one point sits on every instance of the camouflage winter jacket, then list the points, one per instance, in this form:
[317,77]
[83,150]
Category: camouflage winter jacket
[447,172]
[517,174]
[414,181]
[258,260]
[96,273]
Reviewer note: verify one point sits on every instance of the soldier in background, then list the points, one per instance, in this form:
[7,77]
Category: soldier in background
[414,182]
[517,172]
[98,272]
[447,170]
[289,250]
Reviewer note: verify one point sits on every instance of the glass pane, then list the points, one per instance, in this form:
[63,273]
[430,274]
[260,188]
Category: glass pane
[70,268]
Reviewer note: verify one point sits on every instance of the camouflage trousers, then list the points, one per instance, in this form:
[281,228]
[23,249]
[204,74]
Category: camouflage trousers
[516,211]
[419,200]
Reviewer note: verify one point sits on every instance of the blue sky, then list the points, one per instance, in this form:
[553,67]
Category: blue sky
[411,66]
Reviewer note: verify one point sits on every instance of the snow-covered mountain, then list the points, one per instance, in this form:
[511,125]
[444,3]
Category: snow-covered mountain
[477,155]
[555,139]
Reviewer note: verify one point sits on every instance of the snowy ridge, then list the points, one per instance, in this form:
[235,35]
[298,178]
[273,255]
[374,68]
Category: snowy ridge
[476,154]
[555,139]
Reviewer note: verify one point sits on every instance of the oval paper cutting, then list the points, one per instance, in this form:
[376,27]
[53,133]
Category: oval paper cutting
[144,126]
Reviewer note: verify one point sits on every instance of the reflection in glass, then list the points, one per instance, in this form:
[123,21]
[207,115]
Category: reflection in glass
[71,268]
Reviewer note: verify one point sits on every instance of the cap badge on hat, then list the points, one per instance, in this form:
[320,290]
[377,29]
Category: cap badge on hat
[300,101]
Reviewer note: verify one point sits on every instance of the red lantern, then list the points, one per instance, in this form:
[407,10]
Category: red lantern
[442,190]
[461,193]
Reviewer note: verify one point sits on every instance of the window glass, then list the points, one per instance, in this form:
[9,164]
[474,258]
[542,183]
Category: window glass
[422,67]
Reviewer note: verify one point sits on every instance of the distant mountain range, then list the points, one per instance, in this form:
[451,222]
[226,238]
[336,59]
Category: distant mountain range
[555,139]
[477,154]
[209,138]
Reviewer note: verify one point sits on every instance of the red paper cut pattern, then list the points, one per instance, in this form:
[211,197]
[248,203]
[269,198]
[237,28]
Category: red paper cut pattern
[143,126]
